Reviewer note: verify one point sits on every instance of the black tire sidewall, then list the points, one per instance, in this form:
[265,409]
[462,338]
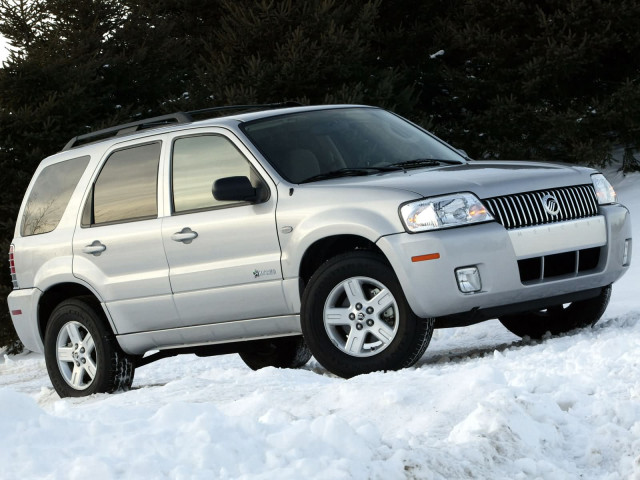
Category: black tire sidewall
[350,265]
[81,312]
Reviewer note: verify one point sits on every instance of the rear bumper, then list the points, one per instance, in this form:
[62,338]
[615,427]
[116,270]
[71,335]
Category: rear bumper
[432,290]
[23,307]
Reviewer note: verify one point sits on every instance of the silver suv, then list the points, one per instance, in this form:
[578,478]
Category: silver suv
[345,232]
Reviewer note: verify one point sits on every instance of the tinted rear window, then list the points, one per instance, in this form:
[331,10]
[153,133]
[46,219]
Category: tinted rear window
[127,186]
[50,195]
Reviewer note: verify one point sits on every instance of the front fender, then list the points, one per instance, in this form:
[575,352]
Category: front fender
[311,214]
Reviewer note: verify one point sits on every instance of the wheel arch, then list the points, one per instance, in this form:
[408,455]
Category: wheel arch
[56,294]
[327,248]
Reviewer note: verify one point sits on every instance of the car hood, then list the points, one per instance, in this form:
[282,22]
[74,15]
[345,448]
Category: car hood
[484,178]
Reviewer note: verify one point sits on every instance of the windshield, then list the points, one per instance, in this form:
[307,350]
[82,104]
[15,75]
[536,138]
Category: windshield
[320,144]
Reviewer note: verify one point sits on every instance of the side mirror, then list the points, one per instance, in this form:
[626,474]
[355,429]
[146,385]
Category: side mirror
[462,152]
[235,189]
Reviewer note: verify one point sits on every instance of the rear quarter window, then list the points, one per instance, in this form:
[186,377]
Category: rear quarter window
[50,195]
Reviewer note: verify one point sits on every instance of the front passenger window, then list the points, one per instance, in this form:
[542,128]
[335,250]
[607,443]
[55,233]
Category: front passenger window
[199,161]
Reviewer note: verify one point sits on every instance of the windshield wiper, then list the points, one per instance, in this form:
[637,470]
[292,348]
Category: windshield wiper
[424,162]
[352,172]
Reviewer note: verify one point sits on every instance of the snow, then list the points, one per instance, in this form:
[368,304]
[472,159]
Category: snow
[4,49]
[481,404]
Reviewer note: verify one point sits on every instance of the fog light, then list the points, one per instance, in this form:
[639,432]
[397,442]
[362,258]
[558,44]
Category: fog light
[469,279]
[626,256]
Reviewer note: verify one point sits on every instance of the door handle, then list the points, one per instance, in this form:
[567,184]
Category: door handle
[96,248]
[186,235]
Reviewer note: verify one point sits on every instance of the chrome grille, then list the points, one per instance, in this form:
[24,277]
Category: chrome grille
[527,209]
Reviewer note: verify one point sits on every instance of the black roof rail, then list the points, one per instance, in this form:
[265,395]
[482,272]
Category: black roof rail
[161,121]
[265,106]
[128,128]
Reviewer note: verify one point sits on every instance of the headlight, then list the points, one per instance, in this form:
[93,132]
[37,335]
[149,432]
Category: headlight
[444,212]
[604,191]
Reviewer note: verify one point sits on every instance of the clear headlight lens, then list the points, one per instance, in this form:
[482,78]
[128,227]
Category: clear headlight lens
[444,212]
[604,191]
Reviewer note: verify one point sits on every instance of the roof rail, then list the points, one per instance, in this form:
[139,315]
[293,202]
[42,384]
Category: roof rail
[161,121]
[128,128]
[265,106]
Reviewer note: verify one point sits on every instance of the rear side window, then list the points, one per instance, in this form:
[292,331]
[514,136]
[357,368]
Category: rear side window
[50,195]
[126,189]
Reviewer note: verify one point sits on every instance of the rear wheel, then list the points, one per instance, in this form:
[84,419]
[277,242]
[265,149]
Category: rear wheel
[82,354]
[285,352]
[356,319]
[560,318]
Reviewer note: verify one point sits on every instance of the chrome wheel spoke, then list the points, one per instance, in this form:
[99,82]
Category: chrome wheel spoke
[336,316]
[73,332]
[90,368]
[89,344]
[355,341]
[76,376]
[65,354]
[353,289]
[383,300]
[382,332]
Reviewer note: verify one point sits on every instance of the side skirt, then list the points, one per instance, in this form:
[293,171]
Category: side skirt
[202,335]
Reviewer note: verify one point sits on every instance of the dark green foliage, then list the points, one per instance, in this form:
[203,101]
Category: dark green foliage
[318,51]
[548,80]
[535,79]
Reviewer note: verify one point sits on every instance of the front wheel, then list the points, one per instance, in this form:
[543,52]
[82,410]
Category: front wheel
[356,319]
[82,354]
[560,318]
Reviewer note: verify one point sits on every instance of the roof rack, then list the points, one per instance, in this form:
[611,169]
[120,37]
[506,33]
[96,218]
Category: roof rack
[163,120]
[266,106]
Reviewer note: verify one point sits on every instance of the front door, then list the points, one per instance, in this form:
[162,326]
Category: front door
[224,257]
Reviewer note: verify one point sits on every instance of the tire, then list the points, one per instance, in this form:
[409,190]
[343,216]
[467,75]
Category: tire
[285,352]
[81,352]
[560,318]
[349,333]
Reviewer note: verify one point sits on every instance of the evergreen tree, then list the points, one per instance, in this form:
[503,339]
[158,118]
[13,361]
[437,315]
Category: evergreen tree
[533,79]
[318,51]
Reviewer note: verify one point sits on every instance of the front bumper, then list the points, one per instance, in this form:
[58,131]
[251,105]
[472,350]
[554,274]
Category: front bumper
[431,287]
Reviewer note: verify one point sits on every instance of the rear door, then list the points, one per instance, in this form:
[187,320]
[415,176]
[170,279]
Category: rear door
[118,248]
[224,257]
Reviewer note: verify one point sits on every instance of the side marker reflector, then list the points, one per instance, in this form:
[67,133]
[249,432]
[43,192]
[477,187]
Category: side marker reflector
[422,258]
[16,312]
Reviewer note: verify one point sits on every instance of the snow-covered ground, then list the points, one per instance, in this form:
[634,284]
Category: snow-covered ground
[480,404]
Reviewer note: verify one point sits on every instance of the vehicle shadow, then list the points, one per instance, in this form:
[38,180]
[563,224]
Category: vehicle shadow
[462,354]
